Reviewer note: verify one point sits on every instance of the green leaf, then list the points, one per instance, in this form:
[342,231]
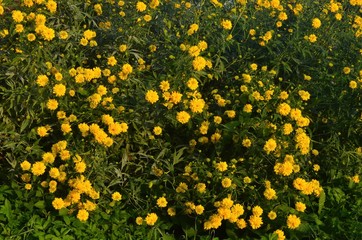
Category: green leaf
[40,204]
[63,212]
[322,199]
[66,220]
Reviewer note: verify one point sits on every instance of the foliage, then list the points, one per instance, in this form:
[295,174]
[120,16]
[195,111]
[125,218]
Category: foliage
[166,119]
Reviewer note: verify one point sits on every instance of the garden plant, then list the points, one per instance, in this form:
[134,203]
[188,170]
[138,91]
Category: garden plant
[174,119]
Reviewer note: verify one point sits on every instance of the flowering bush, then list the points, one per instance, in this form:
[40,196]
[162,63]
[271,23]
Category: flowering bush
[201,118]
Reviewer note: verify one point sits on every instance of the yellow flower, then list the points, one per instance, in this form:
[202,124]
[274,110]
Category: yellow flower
[283,109]
[201,187]
[157,130]
[312,38]
[28,186]
[241,223]
[199,63]
[38,168]
[151,219]
[51,6]
[299,206]
[42,80]
[226,24]
[66,128]
[52,104]
[194,51]
[54,172]
[112,61]
[272,215]
[304,95]
[80,167]
[226,182]
[58,203]
[255,221]
[139,220]
[199,209]
[182,188]
[63,35]
[25,165]
[221,166]
[116,196]
[151,96]
[270,193]
[316,23]
[42,131]
[246,142]
[183,117]
[17,16]
[140,6]
[164,86]
[162,202]
[122,47]
[197,105]
[353,84]
[270,146]
[59,90]
[280,234]
[83,215]
[48,157]
[248,108]
[127,68]
[257,211]
[192,29]
[293,221]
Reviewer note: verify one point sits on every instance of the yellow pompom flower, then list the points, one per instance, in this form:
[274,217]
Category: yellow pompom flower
[226,24]
[141,6]
[17,16]
[157,130]
[42,80]
[293,221]
[151,96]
[299,206]
[255,221]
[25,165]
[59,90]
[226,182]
[139,220]
[83,215]
[162,202]
[151,219]
[316,23]
[116,196]
[270,146]
[80,167]
[197,105]
[42,131]
[58,203]
[54,172]
[38,168]
[183,117]
[199,63]
[52,104]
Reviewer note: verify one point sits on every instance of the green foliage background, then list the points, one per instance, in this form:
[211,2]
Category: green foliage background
[144,166]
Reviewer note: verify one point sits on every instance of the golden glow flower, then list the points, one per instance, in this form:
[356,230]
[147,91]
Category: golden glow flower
[183,117]
[82,215]
[151,219]
[116,196]
[151,96]
[226,24]
[58,203]
[316,23]
[38,168]
[162,202]
[293,221]
[59,90]
[141,6]
[25,165]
